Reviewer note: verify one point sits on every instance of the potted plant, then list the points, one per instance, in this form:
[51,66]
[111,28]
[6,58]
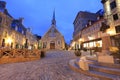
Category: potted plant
[78,52]
[115,52]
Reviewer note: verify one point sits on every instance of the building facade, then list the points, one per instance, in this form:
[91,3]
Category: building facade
[80,21]
[13,33]
[112,17]
[53,39]
[90,36]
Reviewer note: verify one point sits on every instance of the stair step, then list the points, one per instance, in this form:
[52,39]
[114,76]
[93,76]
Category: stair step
[104,69]
[101,75]
[109,65]
[88,61]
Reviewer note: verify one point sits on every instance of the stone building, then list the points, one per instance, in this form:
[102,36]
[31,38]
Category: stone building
[5,24]
[112,17]
[53,39]
[81,20]
[18,31]
[90,35]
[87,30]
[13,33]
[31,39]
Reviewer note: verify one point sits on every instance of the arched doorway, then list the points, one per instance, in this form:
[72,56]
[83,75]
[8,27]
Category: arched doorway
[52,45]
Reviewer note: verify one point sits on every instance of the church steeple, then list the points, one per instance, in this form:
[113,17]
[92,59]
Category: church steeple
[53,20]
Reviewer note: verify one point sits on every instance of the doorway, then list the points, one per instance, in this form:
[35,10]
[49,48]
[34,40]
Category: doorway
[52,45]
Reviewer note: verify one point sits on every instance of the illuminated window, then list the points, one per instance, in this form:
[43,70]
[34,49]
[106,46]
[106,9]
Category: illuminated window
[84,45]
[99,43]
[91,44]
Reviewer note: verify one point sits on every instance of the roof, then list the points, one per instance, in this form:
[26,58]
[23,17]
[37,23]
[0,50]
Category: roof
[3,8]
[85,14]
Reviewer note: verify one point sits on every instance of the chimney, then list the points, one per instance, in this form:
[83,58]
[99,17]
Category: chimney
[2,4]
[21,19]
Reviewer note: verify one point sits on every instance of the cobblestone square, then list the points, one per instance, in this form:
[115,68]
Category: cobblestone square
[53,67]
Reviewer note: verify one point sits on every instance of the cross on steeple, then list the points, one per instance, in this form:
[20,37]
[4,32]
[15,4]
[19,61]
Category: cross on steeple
[53,20]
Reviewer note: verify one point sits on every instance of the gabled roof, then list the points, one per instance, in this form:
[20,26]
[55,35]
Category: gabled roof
[54,29]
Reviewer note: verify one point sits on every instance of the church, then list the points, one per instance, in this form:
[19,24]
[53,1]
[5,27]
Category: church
[53,39]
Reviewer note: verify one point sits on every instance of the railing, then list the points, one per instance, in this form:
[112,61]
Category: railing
[18,55]
[12,53]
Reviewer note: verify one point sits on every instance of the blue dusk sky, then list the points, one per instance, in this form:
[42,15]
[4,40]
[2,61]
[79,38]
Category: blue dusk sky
[38,14]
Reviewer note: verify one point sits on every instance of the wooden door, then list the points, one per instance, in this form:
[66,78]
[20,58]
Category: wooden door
[52,45]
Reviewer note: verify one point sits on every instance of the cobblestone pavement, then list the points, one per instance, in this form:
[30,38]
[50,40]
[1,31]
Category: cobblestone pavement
[53,67]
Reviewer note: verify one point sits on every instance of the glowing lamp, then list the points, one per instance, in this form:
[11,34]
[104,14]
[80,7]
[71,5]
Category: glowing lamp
[9,40]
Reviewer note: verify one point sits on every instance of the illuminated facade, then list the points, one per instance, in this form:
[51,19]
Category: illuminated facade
[13,33]
[53,39]
[80,21]
[89,35]
[112,17]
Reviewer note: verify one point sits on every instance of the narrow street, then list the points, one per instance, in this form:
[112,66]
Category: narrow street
[53,67]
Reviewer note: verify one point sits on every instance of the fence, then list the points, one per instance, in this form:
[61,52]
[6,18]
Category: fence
[18,55]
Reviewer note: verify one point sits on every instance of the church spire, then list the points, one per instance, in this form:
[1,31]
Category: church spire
[53,20]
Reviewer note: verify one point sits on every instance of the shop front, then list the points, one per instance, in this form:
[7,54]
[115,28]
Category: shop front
[95,44]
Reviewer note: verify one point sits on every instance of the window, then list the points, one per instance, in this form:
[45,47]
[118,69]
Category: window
[112,5]
[117,29]
[0,19]
[59,42]
[22,31]
[5,34]
[115,16]
[44,44]
[16,28]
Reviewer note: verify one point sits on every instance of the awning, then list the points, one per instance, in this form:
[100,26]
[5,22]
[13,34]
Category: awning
[93,40]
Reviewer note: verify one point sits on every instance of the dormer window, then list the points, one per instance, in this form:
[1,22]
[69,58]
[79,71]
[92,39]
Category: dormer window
[98,17]
[22,32]
[90,23]
[16,28]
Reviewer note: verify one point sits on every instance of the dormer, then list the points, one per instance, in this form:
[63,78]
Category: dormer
[90,22]
[21,20]
[2,6]
[98,17]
